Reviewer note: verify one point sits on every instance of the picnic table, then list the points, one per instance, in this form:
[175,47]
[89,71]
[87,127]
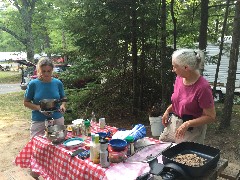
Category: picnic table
[54,162]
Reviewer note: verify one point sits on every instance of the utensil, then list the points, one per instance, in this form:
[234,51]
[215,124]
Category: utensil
[74,153]
[56,133]
[50,104]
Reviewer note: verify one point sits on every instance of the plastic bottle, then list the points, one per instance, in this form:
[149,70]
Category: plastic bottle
[91,146]
[87,128]
[96,150]
[93,119]
[130,140]
[104,160]
[102,123]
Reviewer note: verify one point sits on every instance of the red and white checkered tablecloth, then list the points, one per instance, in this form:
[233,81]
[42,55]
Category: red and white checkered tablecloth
[53,162]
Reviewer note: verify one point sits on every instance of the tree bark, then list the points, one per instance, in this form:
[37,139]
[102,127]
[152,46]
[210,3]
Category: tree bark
[228,103]
[203,25]
[174,20]
[203,30]
[163,55]
[221,47]
[134,59]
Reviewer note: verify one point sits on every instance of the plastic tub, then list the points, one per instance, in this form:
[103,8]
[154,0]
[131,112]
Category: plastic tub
[156,125]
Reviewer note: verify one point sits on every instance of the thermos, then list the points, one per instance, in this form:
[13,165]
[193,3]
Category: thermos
[104,160]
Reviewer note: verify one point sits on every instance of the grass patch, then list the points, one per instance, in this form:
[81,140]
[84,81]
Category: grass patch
[12,107]
[10,77]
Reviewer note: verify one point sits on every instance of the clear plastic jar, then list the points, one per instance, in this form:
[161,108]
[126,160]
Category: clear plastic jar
[130,141]
[117,157]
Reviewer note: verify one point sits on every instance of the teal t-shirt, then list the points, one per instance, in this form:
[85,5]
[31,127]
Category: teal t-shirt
[38,90]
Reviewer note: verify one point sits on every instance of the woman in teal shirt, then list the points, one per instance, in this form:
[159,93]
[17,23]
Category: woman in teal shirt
[44,87]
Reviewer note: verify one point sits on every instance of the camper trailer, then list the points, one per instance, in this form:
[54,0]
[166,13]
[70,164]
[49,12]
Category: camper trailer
[210,66]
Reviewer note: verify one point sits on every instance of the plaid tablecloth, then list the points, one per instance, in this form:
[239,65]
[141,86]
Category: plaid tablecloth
[53,162]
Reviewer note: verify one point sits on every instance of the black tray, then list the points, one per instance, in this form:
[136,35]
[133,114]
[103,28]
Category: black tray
[207,152]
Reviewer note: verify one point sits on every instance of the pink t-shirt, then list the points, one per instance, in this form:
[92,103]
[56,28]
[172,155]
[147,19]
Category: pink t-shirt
[192,99]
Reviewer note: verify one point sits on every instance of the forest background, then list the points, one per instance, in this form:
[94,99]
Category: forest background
[121,47]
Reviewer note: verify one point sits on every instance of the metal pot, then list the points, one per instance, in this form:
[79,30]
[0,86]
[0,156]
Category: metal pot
[50,104]
[56,133]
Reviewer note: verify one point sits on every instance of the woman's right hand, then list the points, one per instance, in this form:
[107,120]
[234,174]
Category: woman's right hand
[165,118]
[31,106]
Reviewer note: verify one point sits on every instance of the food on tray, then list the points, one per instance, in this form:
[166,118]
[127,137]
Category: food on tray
[190,160]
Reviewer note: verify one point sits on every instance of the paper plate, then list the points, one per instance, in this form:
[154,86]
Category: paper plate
[73,142]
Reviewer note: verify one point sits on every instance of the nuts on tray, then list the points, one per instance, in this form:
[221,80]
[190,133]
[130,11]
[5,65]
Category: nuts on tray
[190,160]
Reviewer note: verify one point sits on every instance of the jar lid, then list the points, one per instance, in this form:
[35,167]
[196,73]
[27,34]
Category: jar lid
[110,149]
[103,141]
[129,139]
[87,123]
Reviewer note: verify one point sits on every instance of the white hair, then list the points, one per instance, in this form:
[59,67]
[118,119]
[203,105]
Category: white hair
[187,57]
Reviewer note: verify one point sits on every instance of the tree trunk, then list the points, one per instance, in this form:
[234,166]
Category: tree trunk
[174,20]
[203,25]
[163,58]
[29,42]
[134,59]
[228,103]
[203,30]
[221,47]
[142,67]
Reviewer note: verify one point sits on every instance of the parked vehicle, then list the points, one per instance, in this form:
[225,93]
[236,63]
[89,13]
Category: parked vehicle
[59,68]
[4,68]
[210,66]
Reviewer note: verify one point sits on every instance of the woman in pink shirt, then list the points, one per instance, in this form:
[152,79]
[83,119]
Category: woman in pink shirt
[192,105]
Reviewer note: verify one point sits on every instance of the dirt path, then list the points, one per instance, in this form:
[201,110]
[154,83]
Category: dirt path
[14,136]
[7,88]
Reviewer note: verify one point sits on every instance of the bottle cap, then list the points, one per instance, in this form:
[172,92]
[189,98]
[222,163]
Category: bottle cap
[87,123]
[129,139]
[103,141]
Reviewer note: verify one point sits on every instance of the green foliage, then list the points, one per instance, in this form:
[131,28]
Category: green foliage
[78,101]
[9,44]
[82,70]
[96,36]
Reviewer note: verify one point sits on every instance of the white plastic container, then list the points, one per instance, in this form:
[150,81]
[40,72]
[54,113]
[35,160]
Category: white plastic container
[156,125]
[102,123]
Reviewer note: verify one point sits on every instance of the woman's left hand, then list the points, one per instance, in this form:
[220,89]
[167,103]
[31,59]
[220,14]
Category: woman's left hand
[180,132]
[62,108]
